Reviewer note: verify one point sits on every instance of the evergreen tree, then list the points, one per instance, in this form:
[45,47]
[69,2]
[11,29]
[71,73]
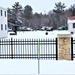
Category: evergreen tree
[27,12]
[72,9]
[16,7]
[59,11]
[59,8]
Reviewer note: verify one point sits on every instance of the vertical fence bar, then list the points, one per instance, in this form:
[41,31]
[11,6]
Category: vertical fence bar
[53,50]
[11,48]
[56,49]
[13,45]
[23,49]
[32,50]
[15,55]
[6,51]
[71,48]
[46,48]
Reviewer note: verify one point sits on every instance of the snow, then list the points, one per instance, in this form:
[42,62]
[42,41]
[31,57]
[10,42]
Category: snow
[37,34]
[30,66]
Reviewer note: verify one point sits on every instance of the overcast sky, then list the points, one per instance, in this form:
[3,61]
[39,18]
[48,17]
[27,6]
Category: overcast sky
[43,6]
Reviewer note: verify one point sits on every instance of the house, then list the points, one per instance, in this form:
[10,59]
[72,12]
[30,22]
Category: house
[71,24]
[3,23]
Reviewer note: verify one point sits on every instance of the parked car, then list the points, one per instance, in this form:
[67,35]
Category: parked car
[24,29]
[29,29]
[21,29]
[63,28]
[46,28]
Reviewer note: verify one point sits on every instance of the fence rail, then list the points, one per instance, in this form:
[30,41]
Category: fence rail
[31,49]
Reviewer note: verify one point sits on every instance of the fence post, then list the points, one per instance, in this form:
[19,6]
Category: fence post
[56,49]
[11,48]
[71,48]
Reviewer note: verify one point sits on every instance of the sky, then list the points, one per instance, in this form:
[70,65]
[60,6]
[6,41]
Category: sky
[39,6]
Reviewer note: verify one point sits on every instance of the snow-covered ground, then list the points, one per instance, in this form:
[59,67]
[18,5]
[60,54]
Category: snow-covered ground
[27,66]
[37,34]
[30,67]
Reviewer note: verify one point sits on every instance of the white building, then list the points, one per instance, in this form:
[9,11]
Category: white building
[3,22]
[71,24]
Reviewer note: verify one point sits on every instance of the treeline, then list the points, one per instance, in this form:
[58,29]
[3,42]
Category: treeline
[24,17]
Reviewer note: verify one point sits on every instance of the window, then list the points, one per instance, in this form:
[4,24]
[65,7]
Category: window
[73,25]
[1,26]
[1,12]
[5,13]
[5,27]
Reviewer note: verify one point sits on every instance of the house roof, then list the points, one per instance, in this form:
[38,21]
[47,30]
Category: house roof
[71,18]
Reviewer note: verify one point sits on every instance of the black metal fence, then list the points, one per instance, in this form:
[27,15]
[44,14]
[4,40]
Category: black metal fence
[31,49]
[28,48]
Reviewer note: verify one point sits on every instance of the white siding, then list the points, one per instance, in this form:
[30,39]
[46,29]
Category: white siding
[3,21]
[70,25]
